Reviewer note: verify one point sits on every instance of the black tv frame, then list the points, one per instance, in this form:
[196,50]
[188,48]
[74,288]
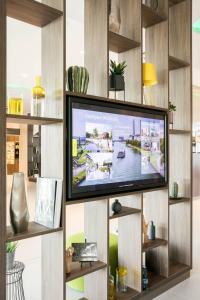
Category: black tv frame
[105,102]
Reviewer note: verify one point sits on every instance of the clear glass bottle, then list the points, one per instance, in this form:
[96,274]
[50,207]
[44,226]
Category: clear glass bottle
[111,286]
[121,279]
[38,99]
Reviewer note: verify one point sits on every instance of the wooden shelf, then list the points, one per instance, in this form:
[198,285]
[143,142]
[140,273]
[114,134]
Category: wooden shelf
[151,17]
[175,268]
[179,131]
[173,201]
[77,271]
[176,63]
[174,2]
[153,244]
[155,280]
[126,211]
[34,230]
[130,294]
[32,12]
[119,43]
[20,119]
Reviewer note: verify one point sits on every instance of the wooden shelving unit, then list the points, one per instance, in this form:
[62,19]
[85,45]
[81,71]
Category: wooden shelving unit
[119,43]
[130,294]
[173,201]
[175,63]
[179,131]
[20,119]
[151,244]
[78,271]
[126,211]
[174,2]
[151,17]
[155,280]
[32,12]
[176,268]
[34,230]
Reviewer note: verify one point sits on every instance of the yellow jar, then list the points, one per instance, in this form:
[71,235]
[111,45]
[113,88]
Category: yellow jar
[15,106]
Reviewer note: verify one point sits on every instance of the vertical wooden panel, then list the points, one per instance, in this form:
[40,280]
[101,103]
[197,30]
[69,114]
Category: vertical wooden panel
[96,230]
[96,46]
[2,148]
[156,209]
[130,11]
[52,148]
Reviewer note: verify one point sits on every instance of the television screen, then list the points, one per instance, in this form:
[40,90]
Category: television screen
[114,148]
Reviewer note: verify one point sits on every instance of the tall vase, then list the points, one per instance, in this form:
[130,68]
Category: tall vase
[114,16]
[19,215]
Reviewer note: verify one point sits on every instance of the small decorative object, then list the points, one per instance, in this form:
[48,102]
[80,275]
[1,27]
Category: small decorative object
[38,99]
[114,16]
[172,109]
[116,206]
[117,76]
[149,78]
[19,214]
[151,231]
[121,279]
[111,286]
[145,229]
[14,282]
[77,79]
[153,4]
[15,106]
[84,252]
[68,256]
[174,190]
[145,280]
[10,255]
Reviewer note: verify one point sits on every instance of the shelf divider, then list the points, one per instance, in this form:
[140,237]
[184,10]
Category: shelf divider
[22,119]
[126,211]
[119,43]
[173,201]
[176,63]
[151,244]
[150,17]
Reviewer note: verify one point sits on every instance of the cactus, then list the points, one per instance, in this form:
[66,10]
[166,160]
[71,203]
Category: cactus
[77,79]
[175,190]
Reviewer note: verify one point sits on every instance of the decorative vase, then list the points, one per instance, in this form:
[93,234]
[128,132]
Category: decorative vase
[10,257]
[68,258]
[117,83]
[153,4]
[114,16]
[19,214]
[77,79]
[151,231]
[175,190]
[116,206]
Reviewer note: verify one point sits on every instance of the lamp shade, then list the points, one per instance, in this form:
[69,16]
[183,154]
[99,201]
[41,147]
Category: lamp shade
[149,74]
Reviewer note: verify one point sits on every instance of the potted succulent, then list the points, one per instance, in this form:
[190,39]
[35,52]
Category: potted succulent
[117,76]
[172,109]
[10,254]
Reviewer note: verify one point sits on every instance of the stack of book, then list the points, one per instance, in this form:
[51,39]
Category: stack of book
[48,202]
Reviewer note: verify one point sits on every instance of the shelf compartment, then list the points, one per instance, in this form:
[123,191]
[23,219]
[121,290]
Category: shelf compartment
[174,2]
[126,211]
[150,17]
[176,63]
[32,12]
[179,131]
[119,43]
[175,268]
[151,244]
[34,230]
[155,279]
[22,119]
[130,294]
[77,271]
[173,201]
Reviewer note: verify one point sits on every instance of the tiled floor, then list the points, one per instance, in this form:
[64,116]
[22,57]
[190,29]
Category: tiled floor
[190,288]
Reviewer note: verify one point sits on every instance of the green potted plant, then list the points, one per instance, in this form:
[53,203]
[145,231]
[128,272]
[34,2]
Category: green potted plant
[10,254]
[117,76]
[172,109]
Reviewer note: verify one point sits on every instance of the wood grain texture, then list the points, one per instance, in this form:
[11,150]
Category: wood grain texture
[96,46]
[130,229]
[119,43]
[96,230]
[175,63]
[2,149]
[156,52]
[52,148]
[179,31]
[131,28]
[156,209]
[32,12]
[151,17]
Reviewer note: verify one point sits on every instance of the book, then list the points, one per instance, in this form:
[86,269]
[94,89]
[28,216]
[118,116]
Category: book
[48,202]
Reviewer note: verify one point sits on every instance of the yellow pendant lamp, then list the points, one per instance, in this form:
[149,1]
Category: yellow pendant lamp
[149,74]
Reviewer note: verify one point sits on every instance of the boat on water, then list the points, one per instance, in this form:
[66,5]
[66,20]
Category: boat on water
[121,154]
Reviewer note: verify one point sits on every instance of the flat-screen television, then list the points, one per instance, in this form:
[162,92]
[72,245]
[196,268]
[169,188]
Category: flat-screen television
[114,147]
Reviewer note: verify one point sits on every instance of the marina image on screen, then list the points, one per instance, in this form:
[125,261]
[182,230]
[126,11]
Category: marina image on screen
[111,147]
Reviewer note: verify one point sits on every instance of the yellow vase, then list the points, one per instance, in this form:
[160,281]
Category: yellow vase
[15,106]
[38,98]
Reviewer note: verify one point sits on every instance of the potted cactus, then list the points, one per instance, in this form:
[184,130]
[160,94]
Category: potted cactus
[117,76]
[10,254]
[77,79]
[172,109]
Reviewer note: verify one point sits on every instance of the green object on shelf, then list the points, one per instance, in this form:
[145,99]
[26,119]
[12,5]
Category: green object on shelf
[196,26]
[78,284]
[77,79]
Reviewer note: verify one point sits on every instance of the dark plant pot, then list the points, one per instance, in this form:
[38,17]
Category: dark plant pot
[117,83]
[116,206]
